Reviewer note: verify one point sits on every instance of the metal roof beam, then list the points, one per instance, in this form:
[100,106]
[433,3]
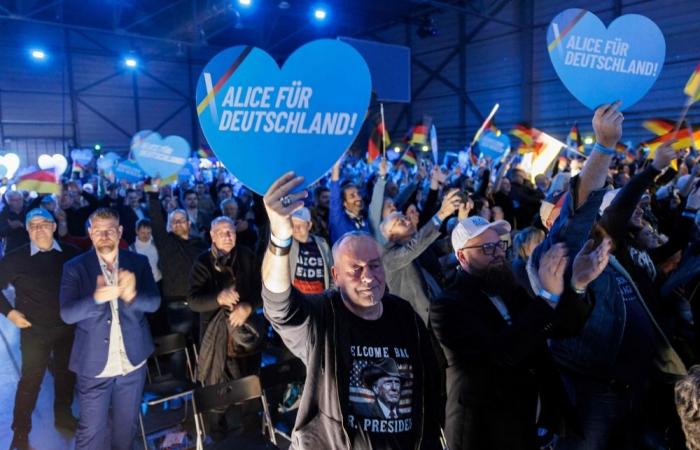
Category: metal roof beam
[467,12]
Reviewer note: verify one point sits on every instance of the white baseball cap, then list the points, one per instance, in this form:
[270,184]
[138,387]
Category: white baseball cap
[302,214]
[607,200]
[472,227]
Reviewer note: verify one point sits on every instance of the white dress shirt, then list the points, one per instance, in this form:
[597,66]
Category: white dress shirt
[118,363]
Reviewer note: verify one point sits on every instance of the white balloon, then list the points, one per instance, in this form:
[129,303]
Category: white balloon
[11,161]
[45,162]
[60,163]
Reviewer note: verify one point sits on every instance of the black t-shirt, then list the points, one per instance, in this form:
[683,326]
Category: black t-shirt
[308,274]
[636,350]
[382,399]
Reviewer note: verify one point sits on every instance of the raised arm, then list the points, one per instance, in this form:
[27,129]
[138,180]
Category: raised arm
[607,124]
[376,205]
[286,309]
[622,207]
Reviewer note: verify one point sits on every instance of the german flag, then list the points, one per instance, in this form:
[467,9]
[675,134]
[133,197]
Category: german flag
[409,157]
[659,126]
[692,87]
[683,139]
[205,152]
[491,126]
[378,141]
[40,181]
[574,140]
[625,152]
[417,135]
[77,167]
[524,133]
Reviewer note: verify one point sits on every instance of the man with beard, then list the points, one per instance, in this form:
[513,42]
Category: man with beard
[494,336]
[346,207]
[106,293]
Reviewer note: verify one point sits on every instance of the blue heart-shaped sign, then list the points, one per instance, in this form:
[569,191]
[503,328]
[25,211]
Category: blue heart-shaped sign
[494,145]
[81,156]
[599,65]
[262,121]
[159,157]
[129,171]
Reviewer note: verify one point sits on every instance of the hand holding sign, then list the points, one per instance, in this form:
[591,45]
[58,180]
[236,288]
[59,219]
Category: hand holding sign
[262,121]
[598,65]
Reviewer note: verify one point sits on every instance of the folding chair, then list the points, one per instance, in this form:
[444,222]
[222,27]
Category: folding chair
[165,387]
[233,392]
[281,374]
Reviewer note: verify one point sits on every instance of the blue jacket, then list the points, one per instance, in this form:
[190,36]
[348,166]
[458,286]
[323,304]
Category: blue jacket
[595,350]
[91,345]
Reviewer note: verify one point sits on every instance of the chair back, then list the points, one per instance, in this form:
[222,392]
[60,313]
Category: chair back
[229,393]
[221,395]
[170,343]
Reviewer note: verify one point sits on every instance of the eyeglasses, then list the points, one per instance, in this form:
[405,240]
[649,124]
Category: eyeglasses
[40,226]
[489,249]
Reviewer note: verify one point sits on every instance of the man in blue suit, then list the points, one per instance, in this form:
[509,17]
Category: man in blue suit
[106,293]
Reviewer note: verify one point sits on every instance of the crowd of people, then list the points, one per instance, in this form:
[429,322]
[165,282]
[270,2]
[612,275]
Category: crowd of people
[461,307]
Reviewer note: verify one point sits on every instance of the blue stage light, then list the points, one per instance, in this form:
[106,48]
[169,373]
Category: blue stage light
[131,62]
[245,2]
[320,14]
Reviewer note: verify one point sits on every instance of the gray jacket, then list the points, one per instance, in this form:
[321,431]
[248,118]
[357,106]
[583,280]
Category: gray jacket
[404,275]
[325,254]
[310,327]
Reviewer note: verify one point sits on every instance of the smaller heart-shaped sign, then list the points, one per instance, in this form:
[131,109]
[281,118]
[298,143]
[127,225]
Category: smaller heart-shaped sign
[159,157]
[45,162]
[494,145]
[81,156]
[599,65]
[11,163]
[104,163]
[60,163]
[129,171]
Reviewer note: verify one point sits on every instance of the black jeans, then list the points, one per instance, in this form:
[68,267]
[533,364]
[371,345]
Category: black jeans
[38,345]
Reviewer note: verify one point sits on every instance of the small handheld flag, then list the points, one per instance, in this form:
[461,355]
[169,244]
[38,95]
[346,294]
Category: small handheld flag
[483,126]
[692,87]
[41,181]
